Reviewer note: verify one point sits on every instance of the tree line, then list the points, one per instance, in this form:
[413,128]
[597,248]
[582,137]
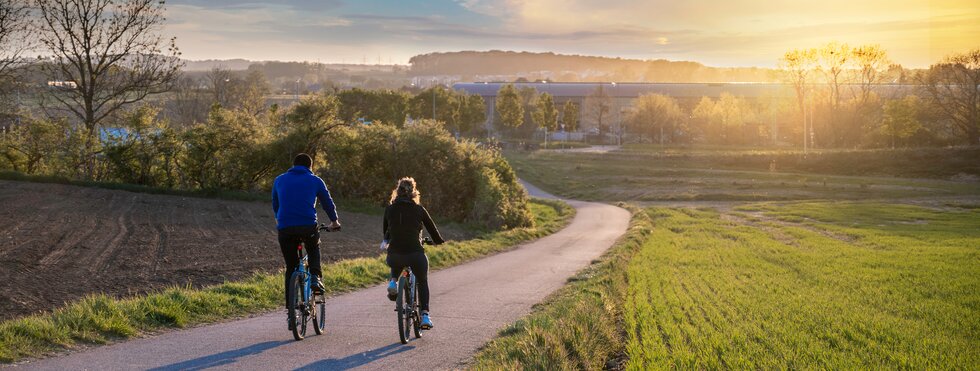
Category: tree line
[116,108]
[838,101]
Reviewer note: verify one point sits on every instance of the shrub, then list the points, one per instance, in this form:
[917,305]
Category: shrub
[461,181]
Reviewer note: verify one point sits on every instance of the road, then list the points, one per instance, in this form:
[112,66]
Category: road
[470,304]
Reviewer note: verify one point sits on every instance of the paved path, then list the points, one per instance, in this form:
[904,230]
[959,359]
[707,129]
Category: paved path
[470,303]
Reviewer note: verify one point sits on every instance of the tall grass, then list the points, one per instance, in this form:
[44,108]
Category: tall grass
[100,319]
[577,328]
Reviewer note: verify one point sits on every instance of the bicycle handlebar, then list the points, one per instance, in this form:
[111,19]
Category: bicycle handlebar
[325,227]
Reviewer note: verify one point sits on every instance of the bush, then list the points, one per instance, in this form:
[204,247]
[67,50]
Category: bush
[236,150]
[459,180]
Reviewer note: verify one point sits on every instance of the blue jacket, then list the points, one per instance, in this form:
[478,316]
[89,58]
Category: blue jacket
[294,196]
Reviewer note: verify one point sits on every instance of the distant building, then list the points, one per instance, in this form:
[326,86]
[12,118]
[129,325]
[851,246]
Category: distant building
[63,84]
[622,94]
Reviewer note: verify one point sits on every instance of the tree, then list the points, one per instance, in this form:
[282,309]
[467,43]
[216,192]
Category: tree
[470,110]
[655,115]
[14,34]
[189,104]
[231,91]
[953,86]
[387,106]
[310,120]
[225,152]
[545,114]
[146,151]
[798,64]
[422,105]
[30,147]
[872,62]
[900,119]
[834,59]
[723,121]
[597,105]
[110,50]
[509,108]
[569,116]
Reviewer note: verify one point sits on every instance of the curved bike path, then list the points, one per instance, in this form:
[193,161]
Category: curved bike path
[470,304]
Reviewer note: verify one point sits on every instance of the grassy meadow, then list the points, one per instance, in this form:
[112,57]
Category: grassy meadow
[648,174]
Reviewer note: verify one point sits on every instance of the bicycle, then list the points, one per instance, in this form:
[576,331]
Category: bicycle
[407,304]
[302,302]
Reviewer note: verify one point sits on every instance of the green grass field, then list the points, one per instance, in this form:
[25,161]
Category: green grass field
[807,285]
[729,176]
[100,319]
[813,265]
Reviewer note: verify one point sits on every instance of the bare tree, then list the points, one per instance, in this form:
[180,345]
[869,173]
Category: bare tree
[597,105]
[799,64]
[872,62]
[834,59]
[954,85]
[219,80]
[15,38]
[110,54]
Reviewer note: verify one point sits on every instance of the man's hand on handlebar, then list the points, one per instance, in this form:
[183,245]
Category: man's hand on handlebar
[333,227]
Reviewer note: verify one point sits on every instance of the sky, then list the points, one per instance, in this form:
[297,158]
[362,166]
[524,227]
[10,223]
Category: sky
[716,33]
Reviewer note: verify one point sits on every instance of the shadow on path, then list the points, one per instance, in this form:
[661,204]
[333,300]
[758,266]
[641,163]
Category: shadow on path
[222,358]
[356,360]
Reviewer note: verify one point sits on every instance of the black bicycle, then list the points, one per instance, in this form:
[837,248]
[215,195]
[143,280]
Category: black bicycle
[303,304]
[407,304]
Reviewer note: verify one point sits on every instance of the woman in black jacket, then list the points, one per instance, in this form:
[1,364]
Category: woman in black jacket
[404,219]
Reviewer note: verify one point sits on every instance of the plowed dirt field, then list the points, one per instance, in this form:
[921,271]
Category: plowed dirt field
[59,242]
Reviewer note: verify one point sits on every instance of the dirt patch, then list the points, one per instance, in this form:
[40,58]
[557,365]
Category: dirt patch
[59,243]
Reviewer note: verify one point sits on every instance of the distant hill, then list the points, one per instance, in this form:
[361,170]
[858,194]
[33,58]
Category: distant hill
[207,65]
[558,67]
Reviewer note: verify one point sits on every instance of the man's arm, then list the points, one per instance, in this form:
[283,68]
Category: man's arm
[275,197]
[326,201]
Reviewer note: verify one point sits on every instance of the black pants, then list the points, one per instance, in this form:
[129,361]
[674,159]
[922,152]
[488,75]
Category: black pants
[420,267]
[289,239]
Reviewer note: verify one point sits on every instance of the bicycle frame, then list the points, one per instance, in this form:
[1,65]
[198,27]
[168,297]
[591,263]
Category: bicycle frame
[302,270]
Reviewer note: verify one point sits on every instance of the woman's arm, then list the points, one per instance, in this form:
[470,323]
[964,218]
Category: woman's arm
[384,225]
[431,227]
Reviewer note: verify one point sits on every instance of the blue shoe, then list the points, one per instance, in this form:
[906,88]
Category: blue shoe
[392,290]
[426,322]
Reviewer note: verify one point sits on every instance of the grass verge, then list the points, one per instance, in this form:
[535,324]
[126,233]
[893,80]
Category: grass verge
[100,319]
[578,327]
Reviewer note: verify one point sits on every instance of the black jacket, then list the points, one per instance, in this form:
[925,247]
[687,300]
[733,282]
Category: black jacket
[403,224]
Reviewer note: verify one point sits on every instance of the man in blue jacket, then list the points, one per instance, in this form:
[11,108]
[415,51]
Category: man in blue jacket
[294,197]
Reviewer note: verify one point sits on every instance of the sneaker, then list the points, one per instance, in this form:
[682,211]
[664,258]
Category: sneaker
[318,285]
[426,322]
[290,322]
[392,290]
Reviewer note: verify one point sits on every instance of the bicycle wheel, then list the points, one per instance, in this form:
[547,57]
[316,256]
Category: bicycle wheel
[319,313]
[297,307]
[417,313]
[402,308]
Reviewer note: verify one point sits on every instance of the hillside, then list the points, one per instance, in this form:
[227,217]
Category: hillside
[578,67]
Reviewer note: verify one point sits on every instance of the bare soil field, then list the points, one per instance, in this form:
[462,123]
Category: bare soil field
[60,242]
